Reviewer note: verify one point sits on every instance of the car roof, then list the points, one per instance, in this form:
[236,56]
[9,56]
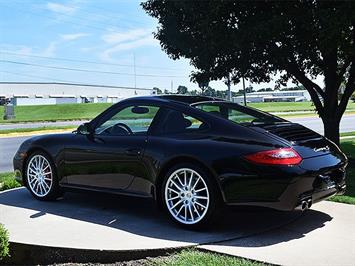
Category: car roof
[178,98]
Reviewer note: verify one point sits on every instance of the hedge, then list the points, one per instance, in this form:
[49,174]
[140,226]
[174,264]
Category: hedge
[4,242]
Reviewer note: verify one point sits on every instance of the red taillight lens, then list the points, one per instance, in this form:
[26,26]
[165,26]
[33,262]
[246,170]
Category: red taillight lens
[284,156]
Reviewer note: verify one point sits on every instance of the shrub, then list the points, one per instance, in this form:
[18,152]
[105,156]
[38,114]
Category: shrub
[7,181]
[4,242]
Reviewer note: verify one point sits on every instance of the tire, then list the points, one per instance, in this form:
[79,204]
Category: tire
[41,177]
[192,204]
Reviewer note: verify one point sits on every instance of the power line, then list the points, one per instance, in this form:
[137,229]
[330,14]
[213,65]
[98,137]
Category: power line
[35,76]
[86,61]
[61,80]
[88,70]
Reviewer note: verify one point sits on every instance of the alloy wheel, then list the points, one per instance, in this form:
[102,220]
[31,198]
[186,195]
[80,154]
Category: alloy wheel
[39,175]
[187,196]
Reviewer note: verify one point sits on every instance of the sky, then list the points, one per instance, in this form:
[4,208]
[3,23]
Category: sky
[91,42]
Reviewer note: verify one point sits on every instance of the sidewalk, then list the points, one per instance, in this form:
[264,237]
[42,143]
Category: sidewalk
[303,242]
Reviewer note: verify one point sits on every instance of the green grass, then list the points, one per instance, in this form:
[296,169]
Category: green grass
[291,107]
[56,112]
[25,130]
[346,134]
[198,258]
[349,197]
[7,181]
[348,147]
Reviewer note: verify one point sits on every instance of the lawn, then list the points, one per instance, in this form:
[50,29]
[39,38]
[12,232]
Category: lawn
[88,111]
[291,106]
[199,258]
[56,112]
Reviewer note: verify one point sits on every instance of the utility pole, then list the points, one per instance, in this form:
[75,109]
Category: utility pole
[229,87]
[245,93]
[172,86]
[134,69]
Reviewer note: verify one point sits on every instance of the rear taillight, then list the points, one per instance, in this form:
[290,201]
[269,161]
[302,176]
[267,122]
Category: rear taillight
[284,156]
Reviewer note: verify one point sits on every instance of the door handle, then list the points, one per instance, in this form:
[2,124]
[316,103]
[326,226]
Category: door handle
[133,152]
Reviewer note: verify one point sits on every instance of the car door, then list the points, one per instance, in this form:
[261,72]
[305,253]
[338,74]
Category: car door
[110,157]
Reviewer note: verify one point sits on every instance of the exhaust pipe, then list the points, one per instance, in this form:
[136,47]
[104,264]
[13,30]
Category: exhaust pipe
[304,205]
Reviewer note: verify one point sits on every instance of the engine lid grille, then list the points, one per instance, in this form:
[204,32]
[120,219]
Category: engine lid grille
[291,132]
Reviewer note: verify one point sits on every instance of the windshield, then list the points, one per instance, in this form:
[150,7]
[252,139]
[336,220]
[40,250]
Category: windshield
[237,113]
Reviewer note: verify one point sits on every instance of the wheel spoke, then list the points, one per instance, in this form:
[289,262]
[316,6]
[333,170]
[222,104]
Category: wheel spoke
[199,204]
[199,190]
[192,216]
[176,185]
[200,197]
[182,206]
[195,209]
[173,198]
[190,180]
[178,178]
[177,203]
[193,187]
[45,184]
[185,212]
[173,190]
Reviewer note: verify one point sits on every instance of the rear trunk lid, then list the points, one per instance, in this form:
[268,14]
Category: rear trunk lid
[304,140]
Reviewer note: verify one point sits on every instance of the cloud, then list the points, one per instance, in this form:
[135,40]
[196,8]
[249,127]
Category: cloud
[61,8]
[50,50]
[118,37]
[126,40]
[73,36]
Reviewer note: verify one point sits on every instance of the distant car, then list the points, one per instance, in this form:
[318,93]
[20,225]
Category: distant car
[4,101]
[191,154]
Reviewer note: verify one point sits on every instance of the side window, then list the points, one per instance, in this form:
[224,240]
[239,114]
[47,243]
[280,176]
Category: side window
[239,117]
[132,120]
[176,122]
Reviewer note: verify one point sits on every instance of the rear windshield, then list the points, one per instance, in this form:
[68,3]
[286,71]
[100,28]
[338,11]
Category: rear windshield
[237,113]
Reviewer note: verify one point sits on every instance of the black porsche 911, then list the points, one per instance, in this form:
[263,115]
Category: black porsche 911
[191,154]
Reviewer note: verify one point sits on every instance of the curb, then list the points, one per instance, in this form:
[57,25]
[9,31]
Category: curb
[21,254]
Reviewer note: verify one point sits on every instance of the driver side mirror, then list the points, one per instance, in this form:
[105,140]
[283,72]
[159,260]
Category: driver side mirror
[84,129]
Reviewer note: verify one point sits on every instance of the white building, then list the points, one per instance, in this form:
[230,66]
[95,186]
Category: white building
[275,96]
[38,93]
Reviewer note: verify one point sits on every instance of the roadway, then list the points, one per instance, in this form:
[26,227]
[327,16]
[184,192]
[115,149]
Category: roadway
[8,146]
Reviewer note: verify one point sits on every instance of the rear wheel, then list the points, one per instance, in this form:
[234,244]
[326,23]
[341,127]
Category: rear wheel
[41,177]
[189,196]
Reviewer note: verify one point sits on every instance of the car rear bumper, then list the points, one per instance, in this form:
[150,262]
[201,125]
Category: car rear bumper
[288,191]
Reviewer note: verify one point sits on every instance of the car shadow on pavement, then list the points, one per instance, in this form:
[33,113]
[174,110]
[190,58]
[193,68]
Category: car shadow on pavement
[141,217]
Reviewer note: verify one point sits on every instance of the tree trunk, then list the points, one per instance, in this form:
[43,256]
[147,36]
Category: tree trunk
[331,129]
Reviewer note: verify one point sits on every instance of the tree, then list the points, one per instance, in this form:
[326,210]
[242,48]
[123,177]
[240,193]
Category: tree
[301,40]
[159,91]
[182,90]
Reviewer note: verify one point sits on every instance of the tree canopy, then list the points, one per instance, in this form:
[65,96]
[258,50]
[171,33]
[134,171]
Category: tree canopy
[257,39]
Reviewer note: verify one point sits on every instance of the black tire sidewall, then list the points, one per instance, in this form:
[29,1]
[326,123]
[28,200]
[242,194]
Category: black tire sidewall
[55,190]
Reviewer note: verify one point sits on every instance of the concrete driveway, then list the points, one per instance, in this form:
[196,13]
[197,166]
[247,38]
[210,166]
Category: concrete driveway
[321,236]
[324,235]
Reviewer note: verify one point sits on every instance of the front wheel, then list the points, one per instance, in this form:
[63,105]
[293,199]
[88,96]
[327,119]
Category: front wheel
[189,196]
[41,177]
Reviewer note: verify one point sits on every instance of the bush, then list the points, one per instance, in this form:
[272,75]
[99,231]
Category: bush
[7,181]
[4,242]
